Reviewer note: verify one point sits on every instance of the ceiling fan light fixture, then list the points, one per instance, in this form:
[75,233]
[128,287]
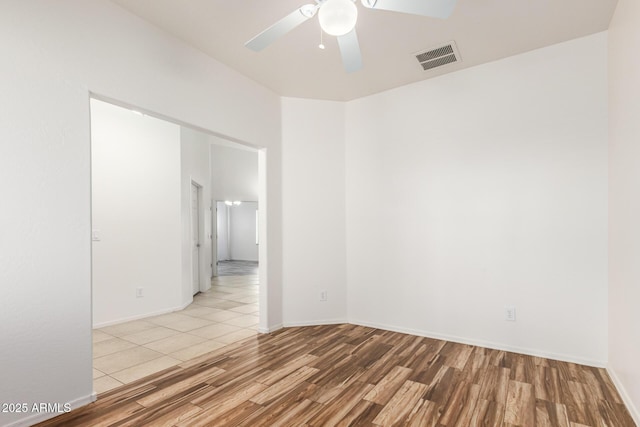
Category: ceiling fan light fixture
[338,17]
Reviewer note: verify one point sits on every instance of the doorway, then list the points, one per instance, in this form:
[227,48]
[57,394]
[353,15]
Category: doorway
[237,238]
[161,309]
[195,236]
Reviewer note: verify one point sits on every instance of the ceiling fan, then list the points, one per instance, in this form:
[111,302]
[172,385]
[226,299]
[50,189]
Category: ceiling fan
[338,18]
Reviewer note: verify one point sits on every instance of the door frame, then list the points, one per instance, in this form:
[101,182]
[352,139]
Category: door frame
[201,233]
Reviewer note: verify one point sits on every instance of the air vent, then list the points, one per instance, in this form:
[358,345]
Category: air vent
[438,56]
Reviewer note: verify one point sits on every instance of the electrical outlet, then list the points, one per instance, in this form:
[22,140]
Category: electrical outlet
[510,314]
[323,295]
[139,292]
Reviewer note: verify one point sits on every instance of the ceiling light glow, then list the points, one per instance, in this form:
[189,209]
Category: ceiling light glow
[338,17]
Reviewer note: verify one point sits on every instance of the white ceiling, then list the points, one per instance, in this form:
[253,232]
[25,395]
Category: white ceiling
[484,30]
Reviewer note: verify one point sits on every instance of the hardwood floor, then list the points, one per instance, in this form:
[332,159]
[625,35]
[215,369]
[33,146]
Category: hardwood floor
[346,375]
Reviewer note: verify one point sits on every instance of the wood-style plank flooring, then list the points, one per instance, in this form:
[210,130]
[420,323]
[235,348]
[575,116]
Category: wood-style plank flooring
[346,375]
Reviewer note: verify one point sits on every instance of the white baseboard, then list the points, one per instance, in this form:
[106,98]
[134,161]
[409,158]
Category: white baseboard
[270,329]
[40,417]
[486,344]
[140,316]
[631,407]
[301,323]
[185,305]
[315,323]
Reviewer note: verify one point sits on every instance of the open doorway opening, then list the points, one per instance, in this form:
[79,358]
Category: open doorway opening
[235,188]
[237,237]
[196,226]
[155,304]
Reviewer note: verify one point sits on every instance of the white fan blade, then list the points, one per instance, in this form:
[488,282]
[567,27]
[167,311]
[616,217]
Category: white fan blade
[350,51]
[281,27]
[434,8]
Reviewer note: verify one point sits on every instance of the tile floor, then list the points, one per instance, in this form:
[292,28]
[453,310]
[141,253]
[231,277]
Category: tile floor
[226,313]
[237,268]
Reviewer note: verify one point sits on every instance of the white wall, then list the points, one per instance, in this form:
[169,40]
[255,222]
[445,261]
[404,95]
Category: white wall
[222,229]
[234,173]
[313,170]
[481,189]
[624,204]
[194,161]
[59,52]
[242,221]
[541,115]
[136,201]
[135,207]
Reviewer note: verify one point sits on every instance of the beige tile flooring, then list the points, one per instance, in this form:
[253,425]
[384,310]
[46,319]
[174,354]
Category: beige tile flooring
[226,313]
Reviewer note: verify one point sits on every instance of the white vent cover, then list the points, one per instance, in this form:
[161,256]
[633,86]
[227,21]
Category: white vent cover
[438,56]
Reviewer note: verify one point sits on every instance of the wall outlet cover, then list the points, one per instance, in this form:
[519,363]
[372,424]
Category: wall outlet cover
[510,313]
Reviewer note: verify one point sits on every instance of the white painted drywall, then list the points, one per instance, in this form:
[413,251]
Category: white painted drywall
[136,208]
[194,161]
[56,54]
[481,189]
[60,51]
[234,173]
[313,170]
[222,228]
[242,227]
[624,204]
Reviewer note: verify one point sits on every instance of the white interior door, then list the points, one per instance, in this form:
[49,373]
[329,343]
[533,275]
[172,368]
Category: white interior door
[195,237]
